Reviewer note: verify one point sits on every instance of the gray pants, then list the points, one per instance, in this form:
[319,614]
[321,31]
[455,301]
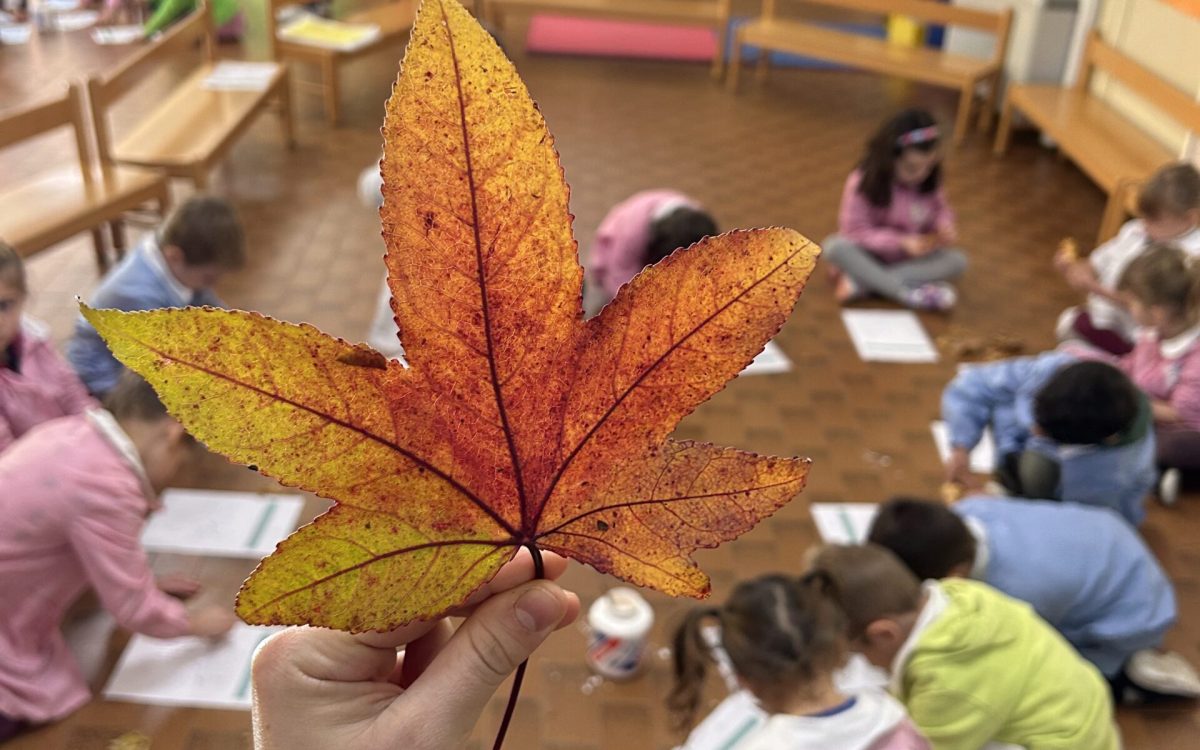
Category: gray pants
[894,280]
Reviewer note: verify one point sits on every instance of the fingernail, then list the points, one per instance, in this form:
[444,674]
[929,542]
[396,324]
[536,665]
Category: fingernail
[537,610]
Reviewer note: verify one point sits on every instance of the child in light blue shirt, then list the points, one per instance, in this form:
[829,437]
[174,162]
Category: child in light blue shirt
[1083,569]
[1065,430]
[200,241]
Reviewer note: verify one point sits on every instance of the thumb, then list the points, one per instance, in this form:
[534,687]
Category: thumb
[486,649]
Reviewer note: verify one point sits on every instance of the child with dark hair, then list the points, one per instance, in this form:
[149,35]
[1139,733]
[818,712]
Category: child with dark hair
[971,665]
[36,384]
[1065,430]
[640,230]
[1169,204]
[77,491]
[785,638]
[1162,287]
[896,232]
[1084,570]
[200,241]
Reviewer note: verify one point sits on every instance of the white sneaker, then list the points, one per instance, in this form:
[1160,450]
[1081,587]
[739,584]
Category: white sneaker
[937,296]
[1163,672]
[1168,487]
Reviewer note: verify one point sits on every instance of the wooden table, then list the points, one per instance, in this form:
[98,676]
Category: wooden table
[98,724]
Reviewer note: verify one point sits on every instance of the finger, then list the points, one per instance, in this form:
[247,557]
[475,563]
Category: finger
[488,646]
[326,655]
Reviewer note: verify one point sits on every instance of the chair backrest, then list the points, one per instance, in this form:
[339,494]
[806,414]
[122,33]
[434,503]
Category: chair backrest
[34,120]
[103,91]
[1100,55]
[923,10]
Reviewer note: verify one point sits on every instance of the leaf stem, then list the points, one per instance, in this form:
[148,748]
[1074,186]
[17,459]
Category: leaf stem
[539,571]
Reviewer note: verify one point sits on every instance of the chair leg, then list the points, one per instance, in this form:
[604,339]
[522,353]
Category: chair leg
[718,64]
[1113,217]
[988,113]
[101,253]
[762,67]
[329,85]
[200,178]
[962,122]
[1004,129]
[116,228]
[286,120]
[735,62]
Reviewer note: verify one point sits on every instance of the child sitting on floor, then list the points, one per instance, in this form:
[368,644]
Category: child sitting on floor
[971,665]
[36,384]
[1163,295]
[77,491]
[1064,429]
[785,638]
[199,243]
[1169,203]
[1084,570]
[641,230]
[896,233]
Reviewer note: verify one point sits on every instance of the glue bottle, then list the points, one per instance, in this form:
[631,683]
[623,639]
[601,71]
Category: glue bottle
[619,622]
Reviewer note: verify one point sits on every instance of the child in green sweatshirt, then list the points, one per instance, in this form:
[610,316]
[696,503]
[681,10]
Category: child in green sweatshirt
[971,665]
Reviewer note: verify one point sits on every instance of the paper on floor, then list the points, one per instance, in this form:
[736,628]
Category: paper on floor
[229,75]
[983,458]
[15,34]
[889,336]
[843,523]
[770,360]
[117,34]
[188,671]
[221,524]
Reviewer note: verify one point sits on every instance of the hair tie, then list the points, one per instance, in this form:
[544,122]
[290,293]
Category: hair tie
[919,136]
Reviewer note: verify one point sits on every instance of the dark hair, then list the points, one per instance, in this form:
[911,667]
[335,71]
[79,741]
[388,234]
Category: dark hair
[878,165]
[207,231]
[12,268]
[780,633]
[1171,191]
[928,537]
[870,583]
[132,398]
[682,227]
[1162,276]
[1085,403]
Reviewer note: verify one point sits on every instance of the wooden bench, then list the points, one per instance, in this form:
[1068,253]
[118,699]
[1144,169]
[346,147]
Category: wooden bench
[192,129]
[710,13]
[394,19]
[770,32]
[1103,143]
[59,203]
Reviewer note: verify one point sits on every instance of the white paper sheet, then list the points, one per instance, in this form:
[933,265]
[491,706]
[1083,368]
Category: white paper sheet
[843,523]
[770,360]
[889,336]
[14,35]
[222,524]
[188,671]
[117,34]
[76,20]
[983,458]
[229,75]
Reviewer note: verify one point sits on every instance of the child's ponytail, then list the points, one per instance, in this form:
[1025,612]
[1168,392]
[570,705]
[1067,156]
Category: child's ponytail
[691,658]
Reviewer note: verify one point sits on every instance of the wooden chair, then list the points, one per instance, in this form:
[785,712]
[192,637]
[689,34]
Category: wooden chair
[1114,152]
[193,128]
[712,13]
[394,19]
[61,202]
[769,32]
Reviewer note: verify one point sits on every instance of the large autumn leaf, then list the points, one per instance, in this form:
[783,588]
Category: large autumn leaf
[516,422]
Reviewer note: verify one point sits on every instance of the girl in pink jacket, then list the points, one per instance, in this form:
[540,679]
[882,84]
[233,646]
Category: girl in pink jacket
[785,638]
[896,233]
[36,384]
[1162,289]
[76,493]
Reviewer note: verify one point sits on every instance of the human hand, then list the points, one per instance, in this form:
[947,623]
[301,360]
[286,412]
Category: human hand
[316,688]
[947,235]
[917,245]
[210,621]
[958,467]
[179,585]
